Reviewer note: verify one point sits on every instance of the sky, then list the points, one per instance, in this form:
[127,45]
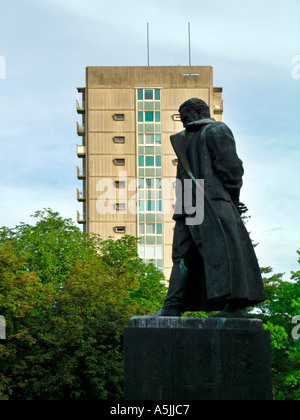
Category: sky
[254,50]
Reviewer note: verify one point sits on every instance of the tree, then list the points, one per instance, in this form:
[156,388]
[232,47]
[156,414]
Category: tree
[277,312]
[65,321]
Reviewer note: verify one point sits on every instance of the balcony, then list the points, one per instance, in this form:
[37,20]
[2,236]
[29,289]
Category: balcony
[80,196]
[80,108]
[80,129]
[81,151]
[81,218]
[218,109]
[80,173]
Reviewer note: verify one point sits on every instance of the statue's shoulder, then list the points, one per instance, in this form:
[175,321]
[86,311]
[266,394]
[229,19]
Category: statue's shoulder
[178,135]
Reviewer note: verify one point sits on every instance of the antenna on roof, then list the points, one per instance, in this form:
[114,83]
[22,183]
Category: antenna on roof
[189,36]
[148,49]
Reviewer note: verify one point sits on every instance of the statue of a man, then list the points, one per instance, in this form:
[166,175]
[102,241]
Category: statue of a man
[214,264]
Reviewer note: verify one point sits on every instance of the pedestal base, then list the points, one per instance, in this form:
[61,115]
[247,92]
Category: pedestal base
[170,358]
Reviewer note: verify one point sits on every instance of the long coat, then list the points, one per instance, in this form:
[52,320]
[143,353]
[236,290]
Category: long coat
[206,151]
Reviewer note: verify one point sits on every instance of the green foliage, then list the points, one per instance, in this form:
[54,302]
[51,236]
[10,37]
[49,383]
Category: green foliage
[282,304]
[50,245]
[66,298]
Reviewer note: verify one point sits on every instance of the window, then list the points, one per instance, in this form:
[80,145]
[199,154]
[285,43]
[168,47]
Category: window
[120,206]
[120,229]
[119,117]
[149,116]
[119,162]
[150,252]
[150,206]
[150,183]
[119,139]
[150,228]
[176,117]
[149,160]
[120,184]
[148,94]
[149,139]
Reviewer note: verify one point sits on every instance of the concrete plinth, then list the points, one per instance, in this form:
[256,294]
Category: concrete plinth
[172,358]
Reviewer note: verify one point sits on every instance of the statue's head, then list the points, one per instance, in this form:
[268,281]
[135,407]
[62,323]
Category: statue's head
[192,110]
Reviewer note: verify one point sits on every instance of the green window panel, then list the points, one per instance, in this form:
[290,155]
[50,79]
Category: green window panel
[141,205]
[141,138]
[148,93]
[149,138]
[149,128]
[140,94]
[157,116]
[149,106]
[159,263]
[157,94]
[150,217]
[142,229]
[140,116]
[149,116]
[150,240]
[150,182]
[141,161]
[149,172]
[150,205]
[149,160]
[150,229]
[158,138]
[159,228]
[149,150]
[158,160]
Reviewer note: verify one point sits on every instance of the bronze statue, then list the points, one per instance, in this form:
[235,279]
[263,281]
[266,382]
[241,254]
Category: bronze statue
[214,264]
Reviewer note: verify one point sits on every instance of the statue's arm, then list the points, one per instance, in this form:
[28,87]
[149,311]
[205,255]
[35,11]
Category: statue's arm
[225,161]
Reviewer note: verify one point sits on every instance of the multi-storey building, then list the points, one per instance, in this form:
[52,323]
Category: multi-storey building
[128,164]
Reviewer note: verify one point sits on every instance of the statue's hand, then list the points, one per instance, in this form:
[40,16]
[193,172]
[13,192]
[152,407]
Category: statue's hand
[242,208]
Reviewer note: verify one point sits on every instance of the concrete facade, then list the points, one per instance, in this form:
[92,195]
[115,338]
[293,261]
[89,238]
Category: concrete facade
[128,165]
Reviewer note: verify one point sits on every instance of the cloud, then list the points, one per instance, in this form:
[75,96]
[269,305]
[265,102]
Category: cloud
[250,46]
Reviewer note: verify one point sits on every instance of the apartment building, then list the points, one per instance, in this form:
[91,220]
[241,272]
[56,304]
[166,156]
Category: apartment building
[128,166]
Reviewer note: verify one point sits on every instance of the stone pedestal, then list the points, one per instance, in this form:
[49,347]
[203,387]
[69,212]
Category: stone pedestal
[173,358]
